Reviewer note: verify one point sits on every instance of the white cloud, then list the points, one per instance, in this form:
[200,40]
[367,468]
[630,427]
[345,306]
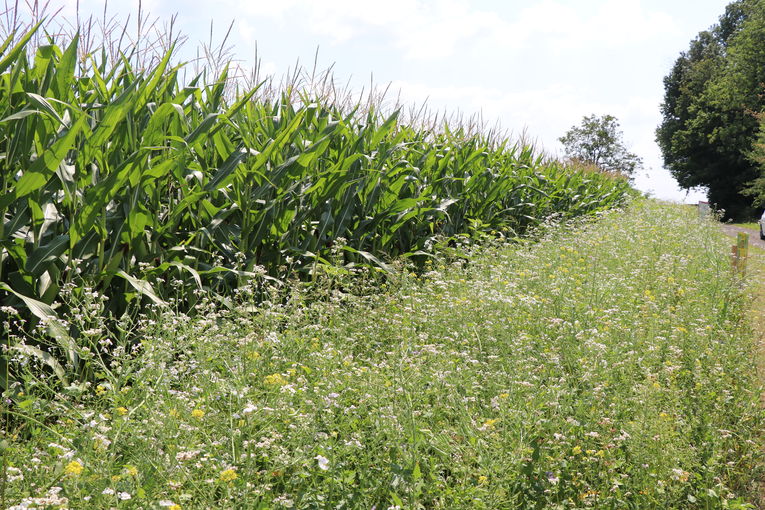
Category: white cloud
[422,30]
[416,28]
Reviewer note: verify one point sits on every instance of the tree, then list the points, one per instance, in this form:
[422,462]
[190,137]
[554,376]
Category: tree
[598,141]
[756,188]
[711,98]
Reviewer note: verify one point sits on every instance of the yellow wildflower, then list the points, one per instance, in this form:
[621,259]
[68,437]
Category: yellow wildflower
[122,411]
[275,379]
[576,450]
[489,424]
[131,470]
[228,475]
[198,414]
[74,468]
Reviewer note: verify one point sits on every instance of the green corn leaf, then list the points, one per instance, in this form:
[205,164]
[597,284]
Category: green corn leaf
[147,90]
[7,43]
[314,151]
[138,218]
[383,130]
[43,167]
[48,317]
[114,113]
[37,262]
[222,176]
[101,194]
[46,107]
[64,76]
[39,309]
[45,357]
[20,46]
[193,272]
[143,287]
[153,134]
[202,128]
[376,261]
[20,115]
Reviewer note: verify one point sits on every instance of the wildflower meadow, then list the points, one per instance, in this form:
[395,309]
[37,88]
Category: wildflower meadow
[610,364]
[218,292]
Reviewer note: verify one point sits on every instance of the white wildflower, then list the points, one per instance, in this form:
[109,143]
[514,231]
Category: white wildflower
[323,462]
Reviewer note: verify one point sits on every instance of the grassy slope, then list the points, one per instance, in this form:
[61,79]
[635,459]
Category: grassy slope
[606,366]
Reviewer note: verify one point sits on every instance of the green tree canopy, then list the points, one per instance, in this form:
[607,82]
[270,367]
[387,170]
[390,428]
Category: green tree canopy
[712,97]
[598,141]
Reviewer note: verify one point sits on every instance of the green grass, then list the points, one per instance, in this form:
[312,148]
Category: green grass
[750,225]
[609,365]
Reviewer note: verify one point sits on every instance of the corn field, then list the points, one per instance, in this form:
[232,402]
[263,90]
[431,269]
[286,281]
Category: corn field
[122,178]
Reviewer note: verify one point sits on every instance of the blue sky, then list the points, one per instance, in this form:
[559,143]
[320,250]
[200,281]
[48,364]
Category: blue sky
[535,67]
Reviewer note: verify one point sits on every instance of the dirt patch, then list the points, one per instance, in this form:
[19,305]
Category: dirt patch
[754,234]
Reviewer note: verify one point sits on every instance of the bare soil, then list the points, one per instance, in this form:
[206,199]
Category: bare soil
[754,234]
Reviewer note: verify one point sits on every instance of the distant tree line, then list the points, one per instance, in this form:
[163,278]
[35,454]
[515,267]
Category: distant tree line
[713,127]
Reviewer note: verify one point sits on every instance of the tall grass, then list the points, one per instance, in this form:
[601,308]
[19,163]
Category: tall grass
[608,366]
[120,173]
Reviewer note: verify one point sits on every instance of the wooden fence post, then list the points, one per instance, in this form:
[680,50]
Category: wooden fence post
[739,252]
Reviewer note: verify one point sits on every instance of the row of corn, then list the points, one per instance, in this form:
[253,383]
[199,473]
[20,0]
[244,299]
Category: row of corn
[111,176]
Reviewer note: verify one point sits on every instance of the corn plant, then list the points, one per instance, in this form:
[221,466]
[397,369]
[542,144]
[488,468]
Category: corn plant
[121,178]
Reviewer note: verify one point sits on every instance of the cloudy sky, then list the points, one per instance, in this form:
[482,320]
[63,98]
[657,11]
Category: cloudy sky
[533,66]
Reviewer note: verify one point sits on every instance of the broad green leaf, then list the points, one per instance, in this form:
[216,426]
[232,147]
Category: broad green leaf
[100,195]
[48,317]
[62,81]
[143,287]
[20,115]
[383,130]
[226,169]
[43,167]
[202,128]
[37,262]
[150,88]
[115,112]
[45,357]
[20,46]
[153,134]
[379,263]
[193,272]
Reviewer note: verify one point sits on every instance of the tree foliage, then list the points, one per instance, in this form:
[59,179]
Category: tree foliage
[598,141]
[756,188]
[712,97]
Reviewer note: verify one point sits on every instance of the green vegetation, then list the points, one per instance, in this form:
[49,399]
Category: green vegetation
[598,141]
[216,296]
[609,366]
[750,225]
[712,111]
[151,188]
